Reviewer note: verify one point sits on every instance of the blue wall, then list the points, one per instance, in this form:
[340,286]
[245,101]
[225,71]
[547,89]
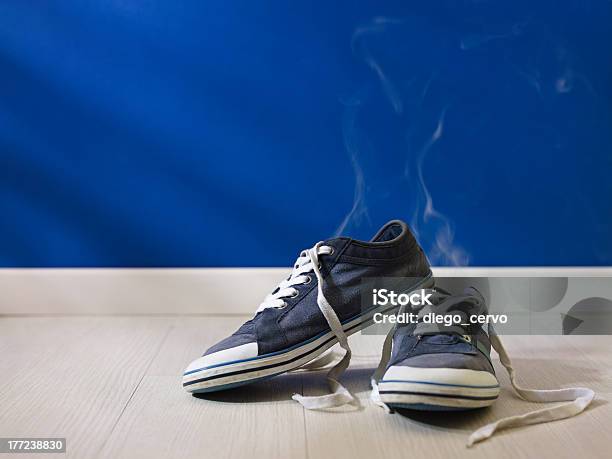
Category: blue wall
[235,133]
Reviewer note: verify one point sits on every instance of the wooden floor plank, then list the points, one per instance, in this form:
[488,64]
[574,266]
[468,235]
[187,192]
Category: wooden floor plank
[163,421]
[74,376]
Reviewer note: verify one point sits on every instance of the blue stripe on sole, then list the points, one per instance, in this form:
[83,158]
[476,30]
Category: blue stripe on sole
[432,383]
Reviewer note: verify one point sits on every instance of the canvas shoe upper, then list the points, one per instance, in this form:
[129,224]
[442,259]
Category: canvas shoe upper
[315,307]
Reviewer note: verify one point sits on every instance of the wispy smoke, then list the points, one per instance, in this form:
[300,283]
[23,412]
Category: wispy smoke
[359,209]
[429,224]
[360,48]
[443,249]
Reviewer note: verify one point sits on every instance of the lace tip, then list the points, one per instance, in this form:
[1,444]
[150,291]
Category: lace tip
[472,440]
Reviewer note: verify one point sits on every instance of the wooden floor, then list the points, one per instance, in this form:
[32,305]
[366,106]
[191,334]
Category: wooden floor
[111,386]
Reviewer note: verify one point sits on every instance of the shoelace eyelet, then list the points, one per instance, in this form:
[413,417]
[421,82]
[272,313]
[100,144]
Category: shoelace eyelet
[296,294]
[308,281]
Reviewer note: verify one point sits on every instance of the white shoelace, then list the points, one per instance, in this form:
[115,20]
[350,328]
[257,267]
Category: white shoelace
[577,398]
[307,262]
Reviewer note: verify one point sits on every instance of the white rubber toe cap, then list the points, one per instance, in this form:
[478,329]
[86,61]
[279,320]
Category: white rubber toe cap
[242,352]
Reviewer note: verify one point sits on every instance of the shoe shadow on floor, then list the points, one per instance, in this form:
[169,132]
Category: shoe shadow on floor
[282,387]
[275,389]
[448,420]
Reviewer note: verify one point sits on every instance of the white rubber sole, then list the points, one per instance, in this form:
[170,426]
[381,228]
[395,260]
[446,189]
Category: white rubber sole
[437,389]
[236,373]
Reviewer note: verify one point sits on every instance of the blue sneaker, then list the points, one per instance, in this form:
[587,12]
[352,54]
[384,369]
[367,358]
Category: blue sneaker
[434,367]
[315,307]
[442,368]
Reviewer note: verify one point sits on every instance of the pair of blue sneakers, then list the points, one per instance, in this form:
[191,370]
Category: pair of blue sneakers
[423,367]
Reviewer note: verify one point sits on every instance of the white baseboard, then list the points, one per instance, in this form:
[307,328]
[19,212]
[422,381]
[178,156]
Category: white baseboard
[181,291]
